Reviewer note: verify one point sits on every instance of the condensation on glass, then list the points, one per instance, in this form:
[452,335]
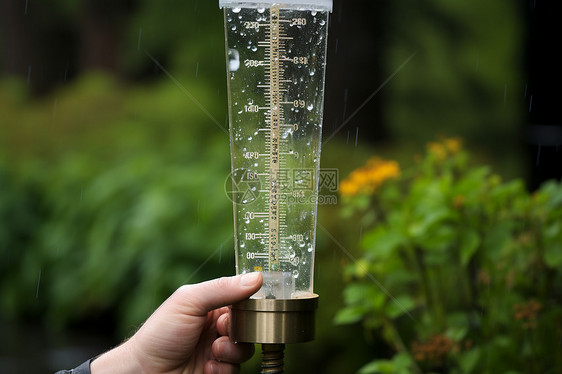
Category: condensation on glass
[276,60]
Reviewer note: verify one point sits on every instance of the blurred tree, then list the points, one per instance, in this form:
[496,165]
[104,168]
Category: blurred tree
[102,23]
[467,76]
[358,31]
[542,93]
[37,42]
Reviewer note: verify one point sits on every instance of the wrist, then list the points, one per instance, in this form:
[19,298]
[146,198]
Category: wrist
[119,360]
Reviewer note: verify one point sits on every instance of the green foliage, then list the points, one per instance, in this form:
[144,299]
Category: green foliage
[460,271]
[465,74]
[110,199]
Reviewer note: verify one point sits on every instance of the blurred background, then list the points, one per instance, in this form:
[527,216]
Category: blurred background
[112,177]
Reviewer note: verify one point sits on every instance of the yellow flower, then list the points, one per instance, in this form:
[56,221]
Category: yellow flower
[368,178]
[437,149]
[445,147]
[453,145]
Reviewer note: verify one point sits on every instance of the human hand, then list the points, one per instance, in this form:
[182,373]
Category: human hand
[187,334]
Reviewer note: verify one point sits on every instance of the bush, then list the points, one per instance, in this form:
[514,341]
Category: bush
[110,198]
[460,271]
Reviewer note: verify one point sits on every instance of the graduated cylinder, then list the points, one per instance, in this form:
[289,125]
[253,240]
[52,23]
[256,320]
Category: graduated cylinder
[276,66]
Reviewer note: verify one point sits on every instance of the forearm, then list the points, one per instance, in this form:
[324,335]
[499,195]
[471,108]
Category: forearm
[119,360]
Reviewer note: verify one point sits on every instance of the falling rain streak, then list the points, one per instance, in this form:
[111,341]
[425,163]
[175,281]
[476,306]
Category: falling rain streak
[38,284]
[139,39]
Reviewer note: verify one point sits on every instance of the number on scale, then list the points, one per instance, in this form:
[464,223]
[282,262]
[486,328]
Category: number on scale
[299,103]
[298,22]
[251,108]
[250,255]
[250,215]
[251,155]
[300,60]
[256,63]
[252,25]
[251,236]
[252,175]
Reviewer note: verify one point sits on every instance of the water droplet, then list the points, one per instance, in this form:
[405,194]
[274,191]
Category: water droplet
[233,60]
[236,10]
[309,249]
[310,107]
[261,10]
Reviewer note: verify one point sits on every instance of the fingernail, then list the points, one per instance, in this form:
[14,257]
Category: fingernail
[214,368]
[250,279]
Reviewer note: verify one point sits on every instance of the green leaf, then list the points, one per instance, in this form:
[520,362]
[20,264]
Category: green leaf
[469,242]
[349,315]
[553,255]
[382,242]
[378,367]
[456,333]
[469,360]
[401,305]
[439,238]
[400,364]
[497,238]
[427,220]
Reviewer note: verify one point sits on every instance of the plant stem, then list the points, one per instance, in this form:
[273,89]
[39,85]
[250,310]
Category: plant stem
[399,343]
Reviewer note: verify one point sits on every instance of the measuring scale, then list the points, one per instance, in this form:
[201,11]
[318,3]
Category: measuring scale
[276,60]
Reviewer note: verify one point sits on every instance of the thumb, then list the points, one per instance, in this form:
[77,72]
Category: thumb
[204,297]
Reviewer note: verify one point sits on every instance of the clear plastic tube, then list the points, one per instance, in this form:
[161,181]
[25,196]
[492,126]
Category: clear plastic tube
[276,68]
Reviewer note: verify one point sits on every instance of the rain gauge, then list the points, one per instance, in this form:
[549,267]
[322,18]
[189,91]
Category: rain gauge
[276,62]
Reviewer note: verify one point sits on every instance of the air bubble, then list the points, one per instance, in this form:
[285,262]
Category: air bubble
[236,10]
[295,273]
[261,10]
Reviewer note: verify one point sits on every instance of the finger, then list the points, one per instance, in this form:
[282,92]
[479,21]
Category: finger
[223,324]
[214,367]
[235,353]
[203,297]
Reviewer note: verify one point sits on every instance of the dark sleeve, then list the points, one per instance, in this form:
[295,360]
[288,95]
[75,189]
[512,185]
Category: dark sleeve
[82,369]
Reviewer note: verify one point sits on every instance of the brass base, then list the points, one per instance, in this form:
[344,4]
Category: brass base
[273,321]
